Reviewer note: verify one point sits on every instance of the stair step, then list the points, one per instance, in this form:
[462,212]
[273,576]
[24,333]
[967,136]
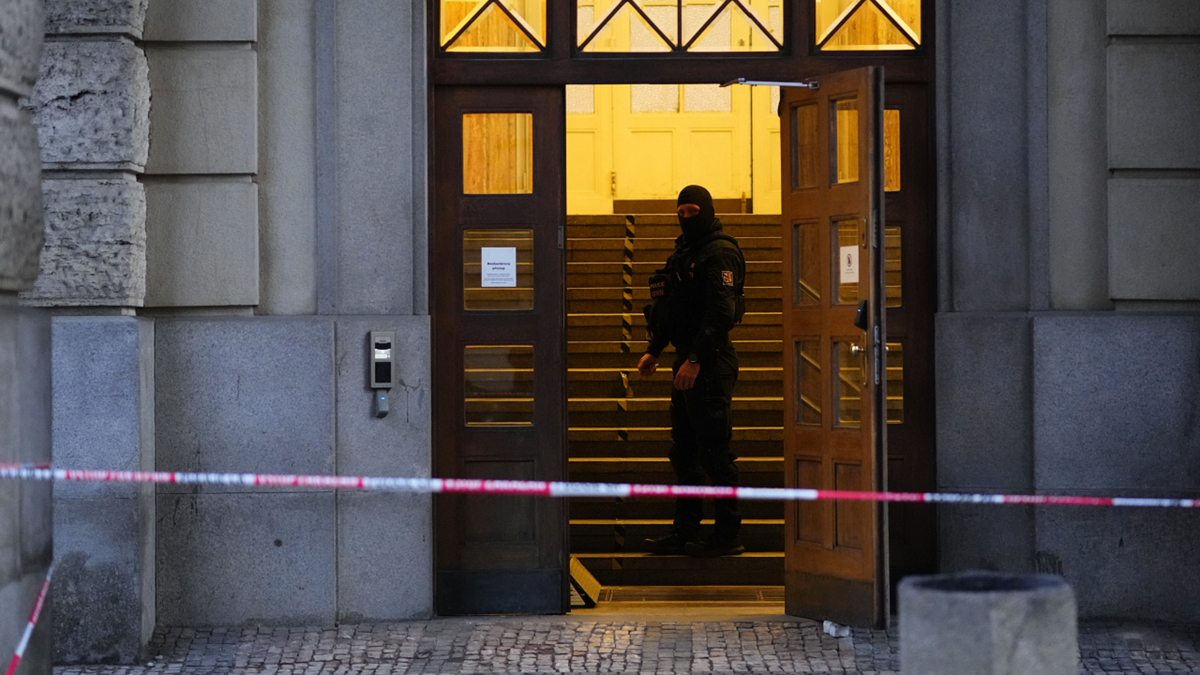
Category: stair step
[613,389]
[659,433]
[614,347]
[650,508]
[587,449]
[606,536]
[761,416]
[620,569]
[615,332]
[639,319]
[619,421]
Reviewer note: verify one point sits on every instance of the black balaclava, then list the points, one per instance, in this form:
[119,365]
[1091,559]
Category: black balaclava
[699,226]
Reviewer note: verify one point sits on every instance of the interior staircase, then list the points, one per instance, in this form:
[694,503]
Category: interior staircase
[619,424]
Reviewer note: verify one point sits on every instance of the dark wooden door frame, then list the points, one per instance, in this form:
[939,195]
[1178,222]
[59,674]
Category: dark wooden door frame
[911,465]
[479,570]
[561,64]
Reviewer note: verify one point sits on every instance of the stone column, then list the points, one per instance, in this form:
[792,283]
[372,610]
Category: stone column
[25,507]
[91,107]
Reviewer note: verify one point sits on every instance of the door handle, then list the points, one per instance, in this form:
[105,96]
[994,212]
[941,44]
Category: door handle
[861,353]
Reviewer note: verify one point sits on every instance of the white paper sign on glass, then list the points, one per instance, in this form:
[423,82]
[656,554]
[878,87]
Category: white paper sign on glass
[848,262]
[499,266]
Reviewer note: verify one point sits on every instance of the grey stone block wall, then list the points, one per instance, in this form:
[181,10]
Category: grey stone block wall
[91,107]
[371,104]
[287,169]
[202,218]
[26,526]
[202,239]
[289,395]
[1115,415]
[1032,398]
[20,45]
[26,529]
[122,17]
[104,533]
[21,234]
[91,104]
[95,252]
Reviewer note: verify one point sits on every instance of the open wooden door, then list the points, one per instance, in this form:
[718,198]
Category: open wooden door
[499,345]
[834,433]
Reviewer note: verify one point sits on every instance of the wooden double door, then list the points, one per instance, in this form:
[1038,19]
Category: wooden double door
[499,343]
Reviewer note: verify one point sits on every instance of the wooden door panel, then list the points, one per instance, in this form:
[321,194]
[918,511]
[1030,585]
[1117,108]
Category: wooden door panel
[836,553]
[499,394]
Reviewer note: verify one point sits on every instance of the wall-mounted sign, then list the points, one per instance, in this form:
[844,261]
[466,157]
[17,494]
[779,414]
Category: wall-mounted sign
[498,266]
[848,263]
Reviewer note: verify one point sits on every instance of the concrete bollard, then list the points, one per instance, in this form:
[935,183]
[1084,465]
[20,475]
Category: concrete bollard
[983,623]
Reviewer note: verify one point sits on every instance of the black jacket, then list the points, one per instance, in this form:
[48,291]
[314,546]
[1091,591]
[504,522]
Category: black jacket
[700,306]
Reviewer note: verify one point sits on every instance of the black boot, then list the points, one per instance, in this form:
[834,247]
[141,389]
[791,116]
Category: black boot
[714,548]
[672,544]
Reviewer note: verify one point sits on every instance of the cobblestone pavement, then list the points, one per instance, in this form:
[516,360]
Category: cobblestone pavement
[601,644]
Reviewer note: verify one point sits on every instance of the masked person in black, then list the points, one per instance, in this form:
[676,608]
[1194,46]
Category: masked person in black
[697,301]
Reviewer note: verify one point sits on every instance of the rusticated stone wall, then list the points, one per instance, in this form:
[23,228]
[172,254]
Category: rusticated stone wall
[26,548]
[91,107]
[92,110]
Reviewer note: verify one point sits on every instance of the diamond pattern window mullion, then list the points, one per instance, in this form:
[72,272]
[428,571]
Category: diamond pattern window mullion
[854,10]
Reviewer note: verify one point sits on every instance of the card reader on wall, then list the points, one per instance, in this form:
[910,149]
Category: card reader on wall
[383,369]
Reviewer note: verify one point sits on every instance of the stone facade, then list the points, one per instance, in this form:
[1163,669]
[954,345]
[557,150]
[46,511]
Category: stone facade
[91,107]
[122,17]
[193,223]
[1069,328]
[26,548]
[21,201]
[95,251]
[248,178]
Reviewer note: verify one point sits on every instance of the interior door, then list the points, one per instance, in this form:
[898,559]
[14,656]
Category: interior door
[675,135]
[499,345]
[834,428]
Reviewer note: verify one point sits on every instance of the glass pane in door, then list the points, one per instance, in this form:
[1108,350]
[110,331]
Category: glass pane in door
[497,153]
[895,382]
[804,146]
[850,361]
[497,270]
[806,261]
[844,160]
[846,238]
[893,265]
[498,385]
[891,150]
[808,381]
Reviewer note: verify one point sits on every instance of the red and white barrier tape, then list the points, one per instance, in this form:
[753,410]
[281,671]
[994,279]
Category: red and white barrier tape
[560,489]
[37,610]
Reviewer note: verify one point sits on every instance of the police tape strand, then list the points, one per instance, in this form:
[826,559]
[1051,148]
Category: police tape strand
[562,489]
[37,610]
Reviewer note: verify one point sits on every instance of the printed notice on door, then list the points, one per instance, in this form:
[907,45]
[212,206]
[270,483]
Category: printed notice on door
[849,264]
[499,267]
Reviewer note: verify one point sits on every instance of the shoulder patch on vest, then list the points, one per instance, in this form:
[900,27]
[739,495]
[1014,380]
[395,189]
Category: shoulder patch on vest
[727,278]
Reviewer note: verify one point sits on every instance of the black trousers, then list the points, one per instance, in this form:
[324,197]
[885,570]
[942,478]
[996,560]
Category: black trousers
[701,431]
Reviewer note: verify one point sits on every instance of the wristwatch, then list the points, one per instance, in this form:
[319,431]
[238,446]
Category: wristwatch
[692,358]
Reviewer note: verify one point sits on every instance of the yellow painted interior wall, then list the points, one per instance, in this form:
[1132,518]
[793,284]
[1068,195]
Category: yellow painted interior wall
[618,150]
